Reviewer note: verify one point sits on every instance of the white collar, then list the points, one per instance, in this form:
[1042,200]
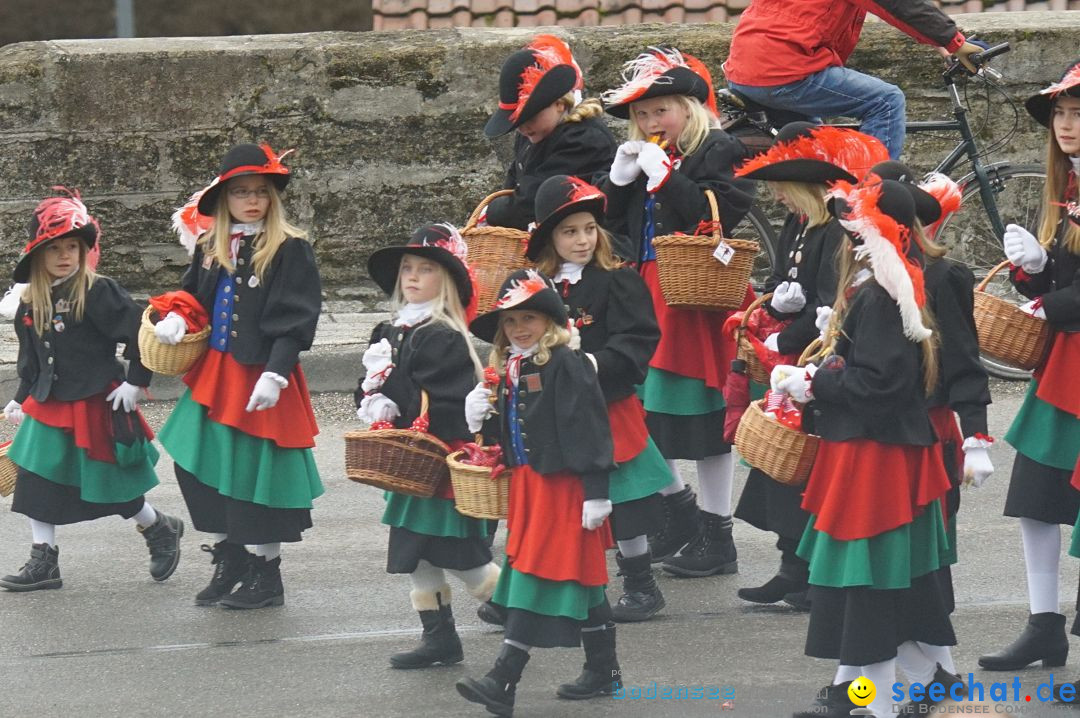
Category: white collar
[861,276]
[517,352]
[570,272]
[246,228]
[1075,164]
[413,313]
[58,282]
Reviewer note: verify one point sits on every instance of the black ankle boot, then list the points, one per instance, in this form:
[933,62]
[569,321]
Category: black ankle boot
[601,674]
[163,540]
[492,613]
[772,591]
[231,562]
[42,571]
[922,706]
[711,552]
[679,522]
[831,702]
[439,643]
[799,600]
[496,690]
[262,586]
[641,598]
[1043,639]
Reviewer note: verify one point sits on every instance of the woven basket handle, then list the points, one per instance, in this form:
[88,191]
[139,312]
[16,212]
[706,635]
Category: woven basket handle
[750,309]
[990,275]
[475,216]
[714,210]
[423,404]
[811,350]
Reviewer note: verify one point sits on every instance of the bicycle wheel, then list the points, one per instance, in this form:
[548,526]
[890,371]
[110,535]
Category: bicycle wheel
[971,239]
[756,226]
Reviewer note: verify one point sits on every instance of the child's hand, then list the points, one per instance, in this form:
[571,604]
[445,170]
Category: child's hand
[13,412]
[378,407]
[478,407]
[171,329]
[267,391]
[655,163]
[125,395]
[788,298]
[625,168]
[593,513]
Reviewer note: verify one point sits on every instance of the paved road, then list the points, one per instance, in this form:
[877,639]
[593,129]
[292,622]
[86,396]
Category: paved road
[112,642]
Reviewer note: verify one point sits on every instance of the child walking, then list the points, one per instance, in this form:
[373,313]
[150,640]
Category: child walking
[83,449]
[1043,489]
[557,133]
[668,96]
[550,418]
[241,435]
[610,305]
[426,348]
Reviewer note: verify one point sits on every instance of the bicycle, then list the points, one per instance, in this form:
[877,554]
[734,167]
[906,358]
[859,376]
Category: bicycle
[994,194]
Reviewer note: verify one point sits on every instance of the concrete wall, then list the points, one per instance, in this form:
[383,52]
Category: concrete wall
[387,125]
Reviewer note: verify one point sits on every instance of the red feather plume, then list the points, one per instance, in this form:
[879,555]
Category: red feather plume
[550,52]
[947,194]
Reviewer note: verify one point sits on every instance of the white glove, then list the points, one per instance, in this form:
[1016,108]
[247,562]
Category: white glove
[267,391]
[625,168]
[376,361]
[788,298]
[977,465]
[1023,250]
[575,338]
[655,163]
[171,329]
[13,412]
[593,513]
[772,342]
[478,407]
[126,395]
[824,316]
[378,407]
[794,381]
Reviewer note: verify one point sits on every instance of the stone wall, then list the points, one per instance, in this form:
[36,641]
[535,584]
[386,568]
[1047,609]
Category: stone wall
[387,125]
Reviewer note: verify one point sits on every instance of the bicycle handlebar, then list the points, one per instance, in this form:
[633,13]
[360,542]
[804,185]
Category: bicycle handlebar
[981,58]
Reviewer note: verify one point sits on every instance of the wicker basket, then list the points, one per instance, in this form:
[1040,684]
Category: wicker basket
[402,460]
[691,278]
[8,471]
[745,349]
[170,359]
[476,492]
[494,252]
[1007,332]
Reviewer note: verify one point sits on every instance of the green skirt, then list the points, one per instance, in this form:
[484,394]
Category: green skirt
[1044,433]
[431,517]
[51,454]
[237,465]
[666,393]
[886,561]
[566,599]
[641,476]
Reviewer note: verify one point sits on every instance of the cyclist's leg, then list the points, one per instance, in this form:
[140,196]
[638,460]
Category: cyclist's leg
[841,91]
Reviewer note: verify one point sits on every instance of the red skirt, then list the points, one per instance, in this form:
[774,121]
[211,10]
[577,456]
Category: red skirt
[544,533]
[628,430]
[1057,376]
[88,420]
[944,422]
[861,488]
[692,342]
[224,385]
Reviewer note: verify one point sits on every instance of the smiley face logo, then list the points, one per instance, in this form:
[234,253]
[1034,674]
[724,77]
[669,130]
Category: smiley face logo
[862,691]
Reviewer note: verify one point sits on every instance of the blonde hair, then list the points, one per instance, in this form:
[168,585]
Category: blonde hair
[446,309]
[847,267]
[554,336]
[276,229]
[1057,179]
[807,198]
[603,257]
[38,293]
[699,123]
[931,248]
[582,111]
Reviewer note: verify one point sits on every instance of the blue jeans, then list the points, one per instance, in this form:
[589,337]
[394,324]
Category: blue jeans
[840,91]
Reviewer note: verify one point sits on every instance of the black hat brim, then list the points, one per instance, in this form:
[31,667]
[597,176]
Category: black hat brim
[681,81]
[209,200]
[384,265]
[21,274]
[801,170]
[541,236]
[555,84]
[486,325]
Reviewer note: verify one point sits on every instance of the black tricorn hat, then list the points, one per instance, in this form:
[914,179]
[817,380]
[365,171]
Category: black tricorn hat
[559,197]
[532,79]
[440,243]
[524,289]
[53,218]
[660,72]
[1041,103]
[927,208]
[245,159]
[817,154]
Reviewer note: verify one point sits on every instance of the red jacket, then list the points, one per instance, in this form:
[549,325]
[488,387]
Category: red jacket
[781,41]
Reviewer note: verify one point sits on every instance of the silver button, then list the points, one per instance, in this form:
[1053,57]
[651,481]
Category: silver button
[236,318]
[47,345]
[232,333]
[238,280]
[228,289]
[50,360]
[243,242]
[221,342]
[224,301]
[224,315]
[658,205]
[240,261]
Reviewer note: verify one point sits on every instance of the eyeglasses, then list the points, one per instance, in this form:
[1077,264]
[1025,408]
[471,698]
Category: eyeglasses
[244,193]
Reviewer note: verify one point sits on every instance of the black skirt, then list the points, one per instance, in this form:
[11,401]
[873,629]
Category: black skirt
[1041,492]
[52,503]
[860,626]
[540,631]
[408,547]
[639,517]
[688,437]
[242,521]
[771,506]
